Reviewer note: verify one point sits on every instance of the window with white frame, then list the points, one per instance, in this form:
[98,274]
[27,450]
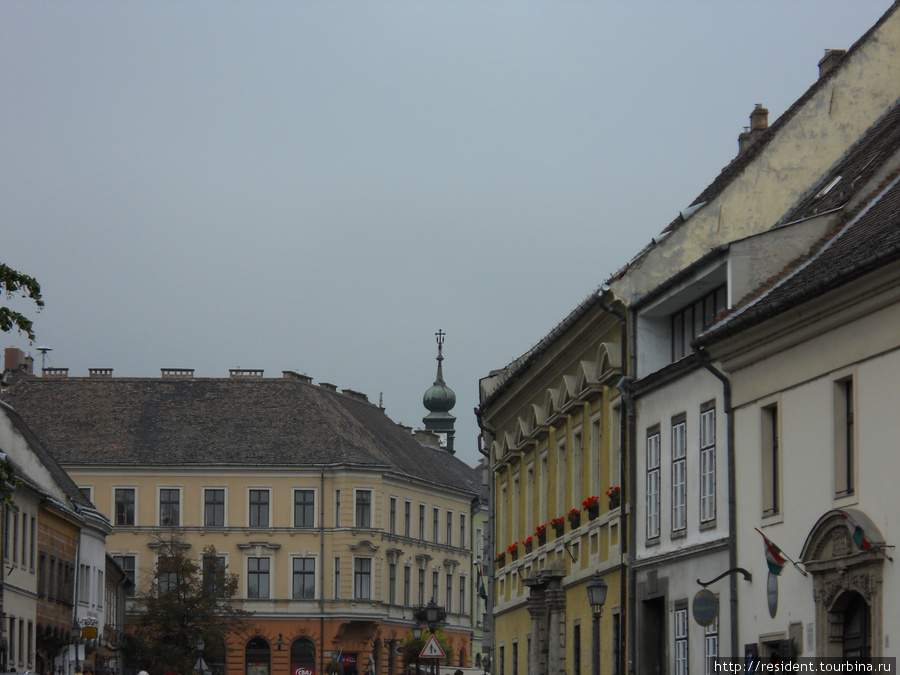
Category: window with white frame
[392,582]
[462,530]
[843,438]
[771,474]
[258,571]
[259,508]
[653,483]
[125,499]
[170,507]
[422,522]
[363,508]
[407,518]
[214,507]
[362,578]
[392,520]
[435,524]
[449,528]
[708,463]
[462,593]
[407,574]
[681,639]
[448,593]
[304,508]
[303,578]
[214,579]
[711,643]
[337,578]
[679,473]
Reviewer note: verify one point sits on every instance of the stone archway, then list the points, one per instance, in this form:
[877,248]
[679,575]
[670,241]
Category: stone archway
[846,581]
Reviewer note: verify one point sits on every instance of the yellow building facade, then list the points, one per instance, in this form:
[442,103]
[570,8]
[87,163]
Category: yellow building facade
[553,423]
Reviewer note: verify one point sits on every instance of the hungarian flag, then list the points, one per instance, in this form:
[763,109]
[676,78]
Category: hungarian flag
[775,558]
[481,591]
[858,535]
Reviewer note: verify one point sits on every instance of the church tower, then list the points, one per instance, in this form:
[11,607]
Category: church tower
[439,400]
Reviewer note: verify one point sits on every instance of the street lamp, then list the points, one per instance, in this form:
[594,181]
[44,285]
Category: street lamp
[201,666]
[417,634]
[596,590]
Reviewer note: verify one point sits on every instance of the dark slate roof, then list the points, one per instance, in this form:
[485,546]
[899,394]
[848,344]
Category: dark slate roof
[56,471]
[232,421]
[868,242]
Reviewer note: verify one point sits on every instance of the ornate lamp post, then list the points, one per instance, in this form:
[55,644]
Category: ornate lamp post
[201,665]
[417,634]
[432,614]
[596,590]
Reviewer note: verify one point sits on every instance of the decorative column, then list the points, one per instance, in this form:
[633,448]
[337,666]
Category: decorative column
[537,609]
[556,601]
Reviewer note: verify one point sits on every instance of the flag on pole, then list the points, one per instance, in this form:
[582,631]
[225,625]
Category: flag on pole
[776,559]
[482,593]
[858,535]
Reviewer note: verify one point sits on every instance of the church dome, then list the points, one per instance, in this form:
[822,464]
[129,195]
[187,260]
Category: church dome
[440,397]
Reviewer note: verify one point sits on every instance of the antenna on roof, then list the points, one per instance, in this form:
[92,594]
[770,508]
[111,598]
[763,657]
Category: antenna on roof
[43,349]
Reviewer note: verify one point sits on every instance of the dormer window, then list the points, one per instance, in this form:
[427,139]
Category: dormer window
[689,321]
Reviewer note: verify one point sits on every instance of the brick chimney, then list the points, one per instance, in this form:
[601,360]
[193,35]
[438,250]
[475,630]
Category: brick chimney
[830,60]
[759,122]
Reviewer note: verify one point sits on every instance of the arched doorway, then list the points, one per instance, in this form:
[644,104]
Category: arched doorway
[303,657]
[857,637]
[258,657]
[847,583]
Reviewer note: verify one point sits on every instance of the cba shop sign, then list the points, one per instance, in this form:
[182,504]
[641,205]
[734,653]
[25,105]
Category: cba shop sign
[304,670]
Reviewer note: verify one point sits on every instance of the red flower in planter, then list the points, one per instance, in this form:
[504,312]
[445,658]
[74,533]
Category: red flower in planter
[591,503]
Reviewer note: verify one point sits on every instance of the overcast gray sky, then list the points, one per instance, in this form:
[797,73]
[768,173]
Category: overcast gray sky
[321,186]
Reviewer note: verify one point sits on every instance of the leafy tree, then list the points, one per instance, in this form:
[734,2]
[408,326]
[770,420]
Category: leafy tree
[14,283]
[184,603]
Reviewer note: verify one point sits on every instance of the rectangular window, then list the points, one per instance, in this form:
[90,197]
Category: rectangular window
[407,572]
[708,465]
[337,508]
[435,520]
[843,438]
[127,563]
[337,578]
[435,584]
[679,474]
[448,594]
[616,642]
[304,508]
[258,578]
[259,508]
[169,507]
[15,537]
[166,575]
[449,528]
[689,322]
[712,646]
[407,517]
[421,586]
[392,518]
[124,506]
[214,507]
[214,575]
[84,584]
[33,541]
[653,484]
[770,461]
[362,578]
[462,530]
[681,640]
[422,522]
[576,649]
[304,579]
[392,583]
[462,594]
[363,508]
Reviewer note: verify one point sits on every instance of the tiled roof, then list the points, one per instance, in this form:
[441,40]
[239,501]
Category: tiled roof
[233,421]
[868,242]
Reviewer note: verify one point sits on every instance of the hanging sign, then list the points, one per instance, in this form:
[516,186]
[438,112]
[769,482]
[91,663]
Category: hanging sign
[705,607]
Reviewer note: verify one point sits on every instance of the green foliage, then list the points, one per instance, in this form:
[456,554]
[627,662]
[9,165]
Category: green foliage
[15,283]
[8,485]
[185,603]
[413,647]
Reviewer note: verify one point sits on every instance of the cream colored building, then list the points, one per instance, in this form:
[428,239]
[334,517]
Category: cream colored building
[336,520]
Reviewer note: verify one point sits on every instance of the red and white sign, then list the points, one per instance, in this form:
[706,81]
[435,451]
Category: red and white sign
[432,649]
[304,670]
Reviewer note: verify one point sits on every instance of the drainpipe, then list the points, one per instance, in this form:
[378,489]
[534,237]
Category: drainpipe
[706,362]
[626,423]
[487,631]
[322,570]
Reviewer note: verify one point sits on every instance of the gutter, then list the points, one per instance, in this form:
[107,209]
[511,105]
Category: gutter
[706,362]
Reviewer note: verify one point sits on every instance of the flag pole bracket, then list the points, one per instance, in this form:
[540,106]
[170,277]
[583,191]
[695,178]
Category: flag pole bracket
[734,570]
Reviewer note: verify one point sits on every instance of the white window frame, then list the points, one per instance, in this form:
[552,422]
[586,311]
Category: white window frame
[654,485]
[679,474]
[707,464]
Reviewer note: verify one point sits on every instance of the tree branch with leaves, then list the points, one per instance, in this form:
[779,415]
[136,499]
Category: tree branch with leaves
[14,283]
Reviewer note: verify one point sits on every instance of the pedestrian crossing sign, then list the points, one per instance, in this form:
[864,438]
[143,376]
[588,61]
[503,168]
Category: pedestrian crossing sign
[432,649]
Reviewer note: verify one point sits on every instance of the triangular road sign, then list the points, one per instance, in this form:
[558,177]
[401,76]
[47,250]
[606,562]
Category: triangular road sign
[432,649]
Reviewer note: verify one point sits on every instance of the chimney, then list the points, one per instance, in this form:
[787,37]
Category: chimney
[292,375]
[237,373]
[100,372]
[831,59]
[185,373]
[759,122]
[55,372]
[13,358]
[328,386]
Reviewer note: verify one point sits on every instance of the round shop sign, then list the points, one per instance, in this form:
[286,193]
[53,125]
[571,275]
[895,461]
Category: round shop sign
[705,607]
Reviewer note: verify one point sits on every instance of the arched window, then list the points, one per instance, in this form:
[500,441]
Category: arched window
[303,657]
[258,657]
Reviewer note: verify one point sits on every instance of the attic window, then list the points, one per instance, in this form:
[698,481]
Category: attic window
[691,320]
[825,190]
